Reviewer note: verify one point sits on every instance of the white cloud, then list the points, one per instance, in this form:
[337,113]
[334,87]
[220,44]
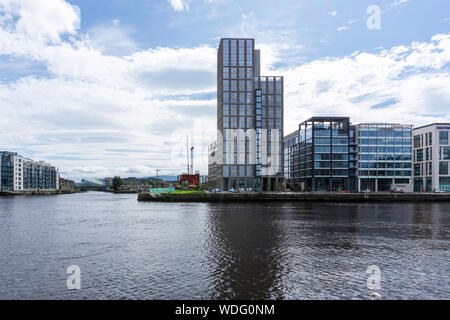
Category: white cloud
[112,39]
[333,13]
[342,28]
[42,22]
[179,5]
[413,80]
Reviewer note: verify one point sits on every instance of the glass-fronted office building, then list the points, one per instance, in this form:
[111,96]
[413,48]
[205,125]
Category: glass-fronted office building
[384,157]
[321,155]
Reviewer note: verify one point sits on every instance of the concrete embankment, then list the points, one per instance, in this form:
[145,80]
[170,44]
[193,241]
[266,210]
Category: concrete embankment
[290,196]
[34,193]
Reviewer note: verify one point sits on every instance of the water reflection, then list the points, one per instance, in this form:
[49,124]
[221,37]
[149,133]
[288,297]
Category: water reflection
[131,250]
[245,247]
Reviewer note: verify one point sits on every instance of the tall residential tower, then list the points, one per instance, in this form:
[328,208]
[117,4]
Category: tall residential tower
[248,151]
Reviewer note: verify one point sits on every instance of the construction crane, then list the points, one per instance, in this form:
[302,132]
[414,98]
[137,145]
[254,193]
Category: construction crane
[187,152]
[192,160]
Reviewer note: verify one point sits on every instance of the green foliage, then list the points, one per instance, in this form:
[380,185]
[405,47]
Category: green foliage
[116,183]
[188,192]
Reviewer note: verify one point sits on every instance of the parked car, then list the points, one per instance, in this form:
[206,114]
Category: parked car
[397,191]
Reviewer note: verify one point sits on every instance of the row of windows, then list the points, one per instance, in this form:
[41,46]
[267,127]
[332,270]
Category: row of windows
[234,110]
[384,141]
[384,173]
[327,149]
[232,97]
[237,122]
[339,141]
[384,157]
[269,112]
[267,123]
[270,100]
[427,139]
[270,84]
[232,85]
[382,165]
[331,164]
[385,149]
[235,73]
[333,172]
[232,51]
[237,171]
[385,133]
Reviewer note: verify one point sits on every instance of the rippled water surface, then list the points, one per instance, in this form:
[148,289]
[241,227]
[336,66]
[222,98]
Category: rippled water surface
[131,250]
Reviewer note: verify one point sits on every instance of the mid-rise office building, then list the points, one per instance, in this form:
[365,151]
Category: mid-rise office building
[247,153]
[384,157]
[321,155]
[21,174]
[431,158]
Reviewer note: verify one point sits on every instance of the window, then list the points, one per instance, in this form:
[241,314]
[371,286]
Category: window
[249,85]
[446,153]
[419,155]
[226,109]
[226,72]
[225,122]
[417,169]
[241,122]
[225,85]
[225,171]
[242,73]
[443,168]
[444,184]
[241,85]
[241,171]
[443,137]
[249,73]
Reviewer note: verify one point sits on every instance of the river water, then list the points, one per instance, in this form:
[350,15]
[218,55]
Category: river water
[127,249]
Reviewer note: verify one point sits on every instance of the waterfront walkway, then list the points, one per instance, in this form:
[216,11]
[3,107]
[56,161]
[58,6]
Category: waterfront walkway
[295,196]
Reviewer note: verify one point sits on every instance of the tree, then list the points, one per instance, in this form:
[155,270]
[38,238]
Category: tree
[116,183]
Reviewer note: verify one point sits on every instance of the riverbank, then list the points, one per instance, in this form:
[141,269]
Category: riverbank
[291,196]
[35,193]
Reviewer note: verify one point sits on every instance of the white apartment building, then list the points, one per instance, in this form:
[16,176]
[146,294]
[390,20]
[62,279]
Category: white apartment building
[431,157]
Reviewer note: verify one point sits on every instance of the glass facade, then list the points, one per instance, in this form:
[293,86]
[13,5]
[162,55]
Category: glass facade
[384,156]
[321,155]
[7,171]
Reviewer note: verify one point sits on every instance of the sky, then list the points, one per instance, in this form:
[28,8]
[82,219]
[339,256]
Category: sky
[112,87]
